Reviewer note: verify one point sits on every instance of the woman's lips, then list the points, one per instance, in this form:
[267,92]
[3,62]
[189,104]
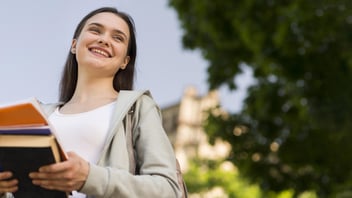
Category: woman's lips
[100,51]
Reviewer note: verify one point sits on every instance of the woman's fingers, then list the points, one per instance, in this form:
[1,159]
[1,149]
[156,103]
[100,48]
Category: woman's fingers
[6,183]
[65,176]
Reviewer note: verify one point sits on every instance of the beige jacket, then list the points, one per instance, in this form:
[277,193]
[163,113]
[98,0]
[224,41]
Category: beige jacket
[110,178]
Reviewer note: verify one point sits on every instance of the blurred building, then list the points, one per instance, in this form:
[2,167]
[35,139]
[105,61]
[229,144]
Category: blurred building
[184,124]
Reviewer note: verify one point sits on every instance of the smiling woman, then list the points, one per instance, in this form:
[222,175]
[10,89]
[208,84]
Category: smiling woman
[101,52]
[102,39]
[97,32]
[96,89]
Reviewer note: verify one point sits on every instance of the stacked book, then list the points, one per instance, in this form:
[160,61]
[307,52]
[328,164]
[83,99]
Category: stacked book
[27,142]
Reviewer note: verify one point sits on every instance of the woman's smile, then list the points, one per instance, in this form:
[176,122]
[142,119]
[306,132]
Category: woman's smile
[100,52]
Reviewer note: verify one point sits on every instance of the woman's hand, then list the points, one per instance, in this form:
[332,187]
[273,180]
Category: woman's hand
[6,183]
[65,176]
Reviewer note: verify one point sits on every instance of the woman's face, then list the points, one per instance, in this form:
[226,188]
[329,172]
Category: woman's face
[101,48]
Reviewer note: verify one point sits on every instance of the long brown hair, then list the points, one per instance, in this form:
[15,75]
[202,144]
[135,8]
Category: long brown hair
[123,79]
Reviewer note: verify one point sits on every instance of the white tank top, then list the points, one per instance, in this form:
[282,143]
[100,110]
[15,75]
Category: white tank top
[84,133]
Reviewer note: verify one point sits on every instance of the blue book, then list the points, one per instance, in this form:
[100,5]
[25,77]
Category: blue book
[41,130]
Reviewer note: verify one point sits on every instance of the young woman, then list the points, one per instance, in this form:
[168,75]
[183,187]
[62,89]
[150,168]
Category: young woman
[99,67]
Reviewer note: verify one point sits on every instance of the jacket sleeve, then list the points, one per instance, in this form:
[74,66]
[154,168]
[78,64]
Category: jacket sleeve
[155,157]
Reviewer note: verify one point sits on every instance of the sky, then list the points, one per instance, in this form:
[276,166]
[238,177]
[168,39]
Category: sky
[36,37]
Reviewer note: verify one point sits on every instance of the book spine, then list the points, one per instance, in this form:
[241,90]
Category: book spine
[26,131]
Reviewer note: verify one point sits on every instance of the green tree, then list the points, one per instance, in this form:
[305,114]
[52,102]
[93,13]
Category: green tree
[205,175]
[294,129]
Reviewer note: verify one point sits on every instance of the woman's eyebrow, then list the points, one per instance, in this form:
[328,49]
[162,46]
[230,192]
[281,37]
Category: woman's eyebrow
[115,30]
[95,24]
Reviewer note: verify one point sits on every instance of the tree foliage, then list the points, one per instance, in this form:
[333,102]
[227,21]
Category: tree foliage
[206,175]
[294,129]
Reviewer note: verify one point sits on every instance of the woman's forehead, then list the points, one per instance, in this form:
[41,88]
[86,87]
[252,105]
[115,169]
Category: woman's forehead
[109,20]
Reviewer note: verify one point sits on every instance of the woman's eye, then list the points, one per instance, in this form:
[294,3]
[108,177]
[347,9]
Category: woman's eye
[118,38]
[94,30]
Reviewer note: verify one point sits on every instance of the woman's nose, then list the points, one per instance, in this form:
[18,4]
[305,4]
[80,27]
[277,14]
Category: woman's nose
[103,40]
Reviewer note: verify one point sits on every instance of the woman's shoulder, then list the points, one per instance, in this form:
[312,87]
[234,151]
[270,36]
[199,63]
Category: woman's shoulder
[147,99]
[141,96]
[136,92]
[143,99]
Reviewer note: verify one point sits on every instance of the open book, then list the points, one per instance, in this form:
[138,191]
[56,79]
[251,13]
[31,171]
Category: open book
[27,142]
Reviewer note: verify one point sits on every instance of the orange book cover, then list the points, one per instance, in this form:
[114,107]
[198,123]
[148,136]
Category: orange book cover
[23,113]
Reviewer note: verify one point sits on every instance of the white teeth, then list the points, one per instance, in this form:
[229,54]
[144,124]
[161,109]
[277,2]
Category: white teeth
[100,52]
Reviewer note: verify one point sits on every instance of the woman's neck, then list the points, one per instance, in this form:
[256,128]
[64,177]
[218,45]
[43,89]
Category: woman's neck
[94,89]
[89,96]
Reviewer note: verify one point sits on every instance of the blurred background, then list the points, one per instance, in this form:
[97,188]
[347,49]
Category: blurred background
[37,35]
[254,94]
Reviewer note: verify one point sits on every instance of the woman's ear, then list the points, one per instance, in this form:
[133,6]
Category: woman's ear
[73,46]
[125,62]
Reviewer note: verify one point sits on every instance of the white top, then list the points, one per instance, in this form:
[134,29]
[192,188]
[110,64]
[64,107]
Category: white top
[84,133]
